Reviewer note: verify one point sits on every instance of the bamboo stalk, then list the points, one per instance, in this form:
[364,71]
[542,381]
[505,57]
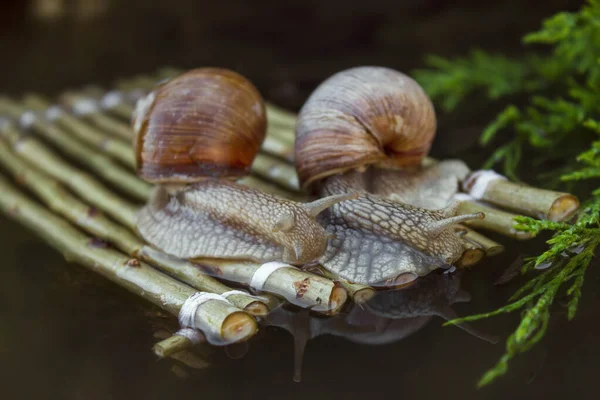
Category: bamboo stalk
[231,323]
[491,247]
[282,118]
[172,345]
[495,220]
[83,184]
[358,293]
[96,194]
[185,271]
[86,133]
[97,118]
[61,202]
[528,200]
[275,147]
[100,164]
[276,171]
[296,286]
[122,110]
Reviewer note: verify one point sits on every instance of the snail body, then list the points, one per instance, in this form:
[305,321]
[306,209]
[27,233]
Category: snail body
[194,135]
[223,219]
[356,124]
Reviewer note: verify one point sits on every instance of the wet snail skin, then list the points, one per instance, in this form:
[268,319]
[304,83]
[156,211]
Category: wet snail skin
[196,134]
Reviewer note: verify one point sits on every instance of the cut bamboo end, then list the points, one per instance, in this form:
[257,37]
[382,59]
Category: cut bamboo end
[338,298]
[528,200]
[361,296]
[471,256]
[172,345]
[358,293]
[257,308]
[563,208]
[237,327]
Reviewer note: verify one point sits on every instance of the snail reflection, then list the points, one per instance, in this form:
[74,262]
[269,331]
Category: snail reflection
[390,316]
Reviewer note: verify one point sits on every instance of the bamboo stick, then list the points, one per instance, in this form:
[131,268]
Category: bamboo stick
[61,202]
[276,171]
[231,323]
[96,194]
[495,220]
[100,164]
[296,286]
[97,118]
[86,133]
[184,271]
[275,147]
[122,109]
[528,200]
[282,118]
[358,293]
[491,247]
[172,345]
[83,184]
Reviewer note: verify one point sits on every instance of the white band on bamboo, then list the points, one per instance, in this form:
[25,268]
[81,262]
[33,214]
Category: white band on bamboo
[84,107]
[478,182]
[462,197]
[27,119]
[53,113]
[192,335]
[264,272]
[111,99]
[187,315]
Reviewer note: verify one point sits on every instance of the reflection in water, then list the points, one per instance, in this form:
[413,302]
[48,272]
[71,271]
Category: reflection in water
[389,317]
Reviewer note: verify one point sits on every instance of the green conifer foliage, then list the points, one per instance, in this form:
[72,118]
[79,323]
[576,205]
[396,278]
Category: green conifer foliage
[559,124]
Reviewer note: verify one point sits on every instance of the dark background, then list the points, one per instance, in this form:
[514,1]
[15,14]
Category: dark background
[67,334]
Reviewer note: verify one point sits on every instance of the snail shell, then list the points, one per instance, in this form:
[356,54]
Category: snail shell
[363,116]
[208,122]
[367,130]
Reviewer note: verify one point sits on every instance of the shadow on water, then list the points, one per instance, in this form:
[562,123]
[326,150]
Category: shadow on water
[389,317]
[68,334]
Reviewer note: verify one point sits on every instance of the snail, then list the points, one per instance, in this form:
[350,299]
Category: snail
[356,132]
[196,134]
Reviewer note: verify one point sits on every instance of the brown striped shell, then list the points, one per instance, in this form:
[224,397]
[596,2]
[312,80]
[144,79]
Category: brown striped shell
[363,116]
[208,122]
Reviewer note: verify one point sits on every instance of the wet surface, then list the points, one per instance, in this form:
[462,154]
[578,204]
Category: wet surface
[68,334]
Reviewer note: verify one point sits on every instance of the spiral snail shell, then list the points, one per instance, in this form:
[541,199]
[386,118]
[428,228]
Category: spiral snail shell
[356,124]
[363,116]
[208,122]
